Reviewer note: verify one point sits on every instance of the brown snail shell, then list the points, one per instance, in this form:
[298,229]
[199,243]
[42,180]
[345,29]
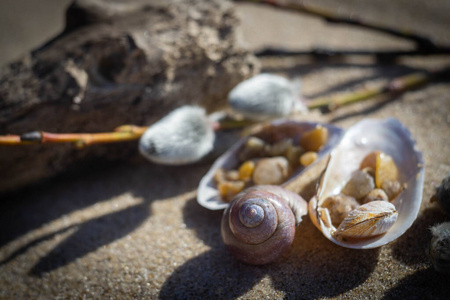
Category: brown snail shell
[259,224]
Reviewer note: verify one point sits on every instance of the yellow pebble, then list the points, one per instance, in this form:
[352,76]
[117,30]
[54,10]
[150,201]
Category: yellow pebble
[246,170]
[229,189]
[314,139]
[308,158]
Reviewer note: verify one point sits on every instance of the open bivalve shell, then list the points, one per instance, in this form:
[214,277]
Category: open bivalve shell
[379,222]
[208,194]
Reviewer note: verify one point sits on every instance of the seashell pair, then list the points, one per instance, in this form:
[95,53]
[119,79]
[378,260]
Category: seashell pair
[368,226]
[259,224]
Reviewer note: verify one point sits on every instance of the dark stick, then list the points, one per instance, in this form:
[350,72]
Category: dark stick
[324,52]
[423,43]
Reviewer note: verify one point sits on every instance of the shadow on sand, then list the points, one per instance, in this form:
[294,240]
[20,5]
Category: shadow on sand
[318,267]
[29,211]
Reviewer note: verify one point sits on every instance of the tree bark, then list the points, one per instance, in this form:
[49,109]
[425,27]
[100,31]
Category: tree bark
[117,62]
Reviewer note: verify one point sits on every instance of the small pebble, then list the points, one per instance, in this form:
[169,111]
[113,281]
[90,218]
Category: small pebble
[443,194]
[308,158]
[440,247]
[359,185]
[274,170]
[339,206]
[375,195]
[392,188]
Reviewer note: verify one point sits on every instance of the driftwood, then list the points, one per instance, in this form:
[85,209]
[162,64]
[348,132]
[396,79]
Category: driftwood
[128,62]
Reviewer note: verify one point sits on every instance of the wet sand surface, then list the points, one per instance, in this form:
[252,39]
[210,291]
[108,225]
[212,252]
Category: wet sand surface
[134,230]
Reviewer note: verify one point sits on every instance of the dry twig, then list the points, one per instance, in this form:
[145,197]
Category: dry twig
[395,86]
[120,134]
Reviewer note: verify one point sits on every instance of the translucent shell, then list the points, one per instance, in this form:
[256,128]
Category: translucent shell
[368,220]
[208,195]
[392,138]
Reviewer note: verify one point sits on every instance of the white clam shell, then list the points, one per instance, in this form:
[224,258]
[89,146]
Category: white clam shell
[207,193]
[368,220]
[392,138]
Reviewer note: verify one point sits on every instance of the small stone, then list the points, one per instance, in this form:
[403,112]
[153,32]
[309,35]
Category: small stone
[232,175]
[246,170]
[339,206]
[293,154]
[375,195]
[274,170]
[314,139]
[279,148]
[440,247]
[359,185]
[443,194]
[229,189]
[308,158]
[392,188]
[254,147]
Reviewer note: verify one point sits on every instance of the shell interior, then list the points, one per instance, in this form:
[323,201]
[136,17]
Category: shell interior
[392,138]
[208,196]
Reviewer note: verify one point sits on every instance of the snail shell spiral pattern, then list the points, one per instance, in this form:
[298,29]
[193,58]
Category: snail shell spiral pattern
[258,226]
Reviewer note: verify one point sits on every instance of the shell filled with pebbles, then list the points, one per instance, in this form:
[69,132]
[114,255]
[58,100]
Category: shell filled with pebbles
[280,135]
[386,161]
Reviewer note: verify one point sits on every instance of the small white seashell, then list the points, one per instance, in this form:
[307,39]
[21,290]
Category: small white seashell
[265,96]
[183,136]
[368,220]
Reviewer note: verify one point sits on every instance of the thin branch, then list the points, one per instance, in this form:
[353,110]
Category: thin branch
[385,55]
[421,41]
[80,139]
[11,140]
[120,134]
[395,86]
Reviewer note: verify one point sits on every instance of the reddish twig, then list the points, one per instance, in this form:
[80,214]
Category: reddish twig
[120,134]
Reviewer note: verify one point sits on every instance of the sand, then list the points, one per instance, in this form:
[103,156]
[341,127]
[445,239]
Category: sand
[134,230]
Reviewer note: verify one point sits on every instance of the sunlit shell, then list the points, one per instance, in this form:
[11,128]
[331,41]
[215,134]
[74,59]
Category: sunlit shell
[368,220]
[392,138]
[208,195]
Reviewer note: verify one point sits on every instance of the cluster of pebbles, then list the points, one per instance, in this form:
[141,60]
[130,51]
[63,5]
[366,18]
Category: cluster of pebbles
[262,162]
[375,180]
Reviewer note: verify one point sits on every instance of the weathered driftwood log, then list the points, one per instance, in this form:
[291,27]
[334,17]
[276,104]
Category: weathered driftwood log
[117,62]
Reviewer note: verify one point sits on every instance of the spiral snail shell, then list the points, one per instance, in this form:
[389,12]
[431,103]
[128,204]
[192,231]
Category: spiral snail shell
[259,224]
